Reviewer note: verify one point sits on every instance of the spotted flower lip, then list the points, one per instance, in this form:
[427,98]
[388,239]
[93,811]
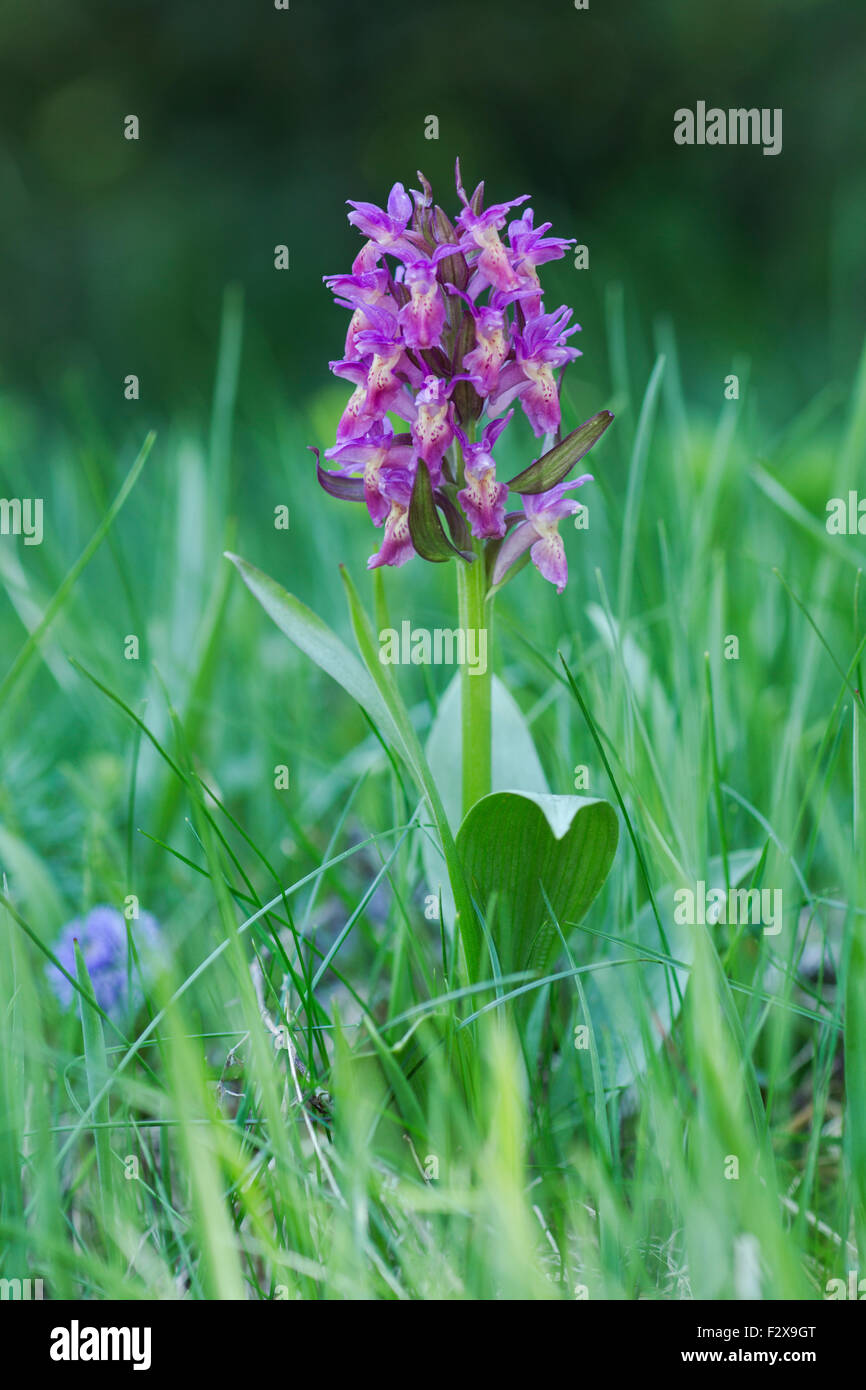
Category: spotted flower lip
[422,318]
[538,350]
[482,497]
[492,340]
[433,423]
[448,336]
[397,547]
[485,252]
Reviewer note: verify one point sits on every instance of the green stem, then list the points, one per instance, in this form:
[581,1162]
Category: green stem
[475,618]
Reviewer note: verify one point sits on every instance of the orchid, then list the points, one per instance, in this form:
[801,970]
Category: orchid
[449,330]
[448,341]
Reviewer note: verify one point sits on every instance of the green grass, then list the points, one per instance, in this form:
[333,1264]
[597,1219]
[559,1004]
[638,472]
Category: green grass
[311,1103]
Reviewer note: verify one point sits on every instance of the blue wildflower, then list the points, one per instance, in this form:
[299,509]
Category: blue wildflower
[102,937]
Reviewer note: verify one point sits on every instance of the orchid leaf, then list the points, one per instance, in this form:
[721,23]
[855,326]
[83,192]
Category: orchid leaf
[460,535]
[558,462]
[533,860]
[315,639]
[515,764]
[425,527]
[338,485]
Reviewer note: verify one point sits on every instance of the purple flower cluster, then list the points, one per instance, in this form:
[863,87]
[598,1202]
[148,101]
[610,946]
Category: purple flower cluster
[102,938]
[447,326]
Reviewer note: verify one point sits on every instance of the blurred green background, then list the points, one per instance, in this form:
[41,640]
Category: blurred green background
[257,124]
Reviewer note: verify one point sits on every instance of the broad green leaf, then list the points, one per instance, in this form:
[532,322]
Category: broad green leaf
[527,850]
[315,639]
[622,999]
[515,764]
[558,462]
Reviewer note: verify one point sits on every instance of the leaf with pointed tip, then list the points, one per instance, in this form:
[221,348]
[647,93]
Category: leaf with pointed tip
[554,466]
[530,855]
[338,485]
[445,498]
[425,528]
[316,640]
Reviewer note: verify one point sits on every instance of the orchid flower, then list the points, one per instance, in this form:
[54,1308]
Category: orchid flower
[483,498]
[387,230]
[448,332]
[539,534]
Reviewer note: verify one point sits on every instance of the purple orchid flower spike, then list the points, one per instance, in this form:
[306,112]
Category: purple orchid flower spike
[448,331]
